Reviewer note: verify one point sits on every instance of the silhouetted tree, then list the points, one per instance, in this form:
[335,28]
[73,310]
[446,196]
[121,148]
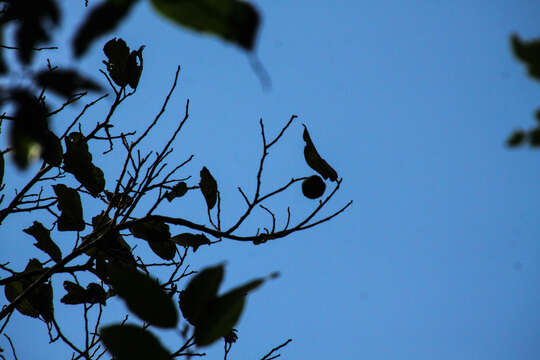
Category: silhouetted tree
[70,187]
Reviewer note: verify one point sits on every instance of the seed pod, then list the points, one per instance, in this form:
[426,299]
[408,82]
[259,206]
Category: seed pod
[313,187]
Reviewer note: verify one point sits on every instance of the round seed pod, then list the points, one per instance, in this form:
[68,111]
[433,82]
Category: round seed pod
[313,187]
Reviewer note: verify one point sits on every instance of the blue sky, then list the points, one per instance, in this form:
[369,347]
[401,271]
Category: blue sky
[438,257]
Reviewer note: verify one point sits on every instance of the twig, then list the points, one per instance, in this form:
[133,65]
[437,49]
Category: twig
[267,356]
[12,346]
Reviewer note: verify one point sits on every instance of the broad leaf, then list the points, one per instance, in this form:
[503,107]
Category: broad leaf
[33,23]
[232,20]
[44,241]
[315,161]
[30,127]
[516,139]
[130,342]
[201,290]
[12,290]
[143,296]
[65,82]
[177,191]
[151,230]
[165,249]
[76,294]
[69,203]
[529,53]
[222,314]
[112,245]
[103,18]
[38,301]
[52,149]
[122,64]
[78,161]
[191,240]
[208,187]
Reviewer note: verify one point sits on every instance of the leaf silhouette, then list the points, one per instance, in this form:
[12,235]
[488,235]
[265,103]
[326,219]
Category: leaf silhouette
[208,187]
[44,241]
[165,249]
[76,294]
[201,290]
[130,342]
[191,240]
[150,230]
[315,161]
[222,313]
[69,203]
[65,82]
[232,20]
[143,296]
[516,139]
[529,53]
[38,301]
[52,152]
[28,134]
[78,161]
[32,25]
[177,191]
[103,18]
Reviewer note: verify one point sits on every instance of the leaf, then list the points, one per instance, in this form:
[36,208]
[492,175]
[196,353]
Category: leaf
[12,290]
[223,313]
[165,249]
[208,187]
[134,67]
[36,302]
[52,152]
[150,230]
[76,294]
[529,53]
[130,342]
[30,127]
[34,22]
[516,139]
[177,191]
[191,240]
[112,245]
[93,294]
[78,161]
[158,236]
[118,55]
[119,200]
[315,161]
[44,241]
[201,290]
[143,296]
[69,203]
[232,20]
[65,82]
[42,299]
[102,19]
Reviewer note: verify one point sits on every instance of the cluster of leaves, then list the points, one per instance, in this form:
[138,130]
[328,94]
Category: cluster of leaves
[118,272]
[102,254]
[529,53]
[232,20]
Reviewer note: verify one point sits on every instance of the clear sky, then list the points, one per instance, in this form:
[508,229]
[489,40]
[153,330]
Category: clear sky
[411,102]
